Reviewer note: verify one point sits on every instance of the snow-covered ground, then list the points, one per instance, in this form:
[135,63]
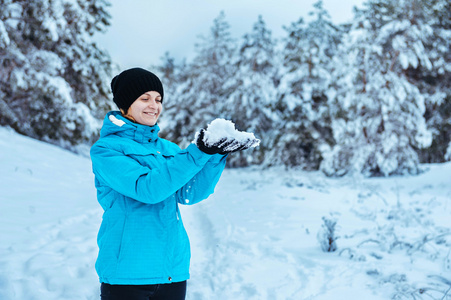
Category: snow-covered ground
[255,238]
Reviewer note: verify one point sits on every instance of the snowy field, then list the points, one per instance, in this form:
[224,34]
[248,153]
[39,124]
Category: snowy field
[255,238]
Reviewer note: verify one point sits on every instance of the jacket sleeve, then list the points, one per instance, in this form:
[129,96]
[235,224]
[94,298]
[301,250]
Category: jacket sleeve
[142,183]
[203,183]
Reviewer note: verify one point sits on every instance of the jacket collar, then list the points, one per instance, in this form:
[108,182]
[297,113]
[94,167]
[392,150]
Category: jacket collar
[115,124]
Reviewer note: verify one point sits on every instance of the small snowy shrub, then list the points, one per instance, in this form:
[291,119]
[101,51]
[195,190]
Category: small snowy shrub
[448,153]
[326,235]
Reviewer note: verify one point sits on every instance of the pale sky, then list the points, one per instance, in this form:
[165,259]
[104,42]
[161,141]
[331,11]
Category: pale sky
[142,31]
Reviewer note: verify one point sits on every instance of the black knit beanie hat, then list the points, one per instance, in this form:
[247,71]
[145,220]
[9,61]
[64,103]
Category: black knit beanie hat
[132,83]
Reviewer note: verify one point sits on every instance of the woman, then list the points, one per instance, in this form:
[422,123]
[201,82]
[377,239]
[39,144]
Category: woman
[141,178]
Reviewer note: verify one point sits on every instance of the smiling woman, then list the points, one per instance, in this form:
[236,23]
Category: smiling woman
[141,179]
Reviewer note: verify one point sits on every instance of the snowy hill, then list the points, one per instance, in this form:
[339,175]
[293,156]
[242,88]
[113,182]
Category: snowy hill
[255,238]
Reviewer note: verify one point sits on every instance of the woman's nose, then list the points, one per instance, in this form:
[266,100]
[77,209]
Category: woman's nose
[152,103]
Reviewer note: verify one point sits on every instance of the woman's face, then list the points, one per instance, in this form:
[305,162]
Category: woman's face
[146,109]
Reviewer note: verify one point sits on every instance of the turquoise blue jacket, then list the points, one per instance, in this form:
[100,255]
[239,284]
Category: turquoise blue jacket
[140,180]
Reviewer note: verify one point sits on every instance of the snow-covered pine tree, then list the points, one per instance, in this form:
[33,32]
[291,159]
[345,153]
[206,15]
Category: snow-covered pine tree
[255,89]
[435,80]
[438,118]
[173,75]
[198,99]
[377,112]
[54,80]
[302,105]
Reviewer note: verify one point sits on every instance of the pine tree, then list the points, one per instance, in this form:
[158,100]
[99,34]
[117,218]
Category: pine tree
[309,48]
[377,112]
[53,78]
[435,80]
[199,97]
[174,118]
[255,88]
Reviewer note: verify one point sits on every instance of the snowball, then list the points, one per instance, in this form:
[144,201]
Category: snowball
[220,129]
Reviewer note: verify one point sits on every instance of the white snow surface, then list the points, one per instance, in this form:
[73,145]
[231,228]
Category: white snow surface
[254,238]
[221,129]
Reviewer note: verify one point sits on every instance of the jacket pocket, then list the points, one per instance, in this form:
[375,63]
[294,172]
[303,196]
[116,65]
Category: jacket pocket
[150,158]
[140,151]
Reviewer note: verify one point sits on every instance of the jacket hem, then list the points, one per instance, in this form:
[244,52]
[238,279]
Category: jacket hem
[143,281]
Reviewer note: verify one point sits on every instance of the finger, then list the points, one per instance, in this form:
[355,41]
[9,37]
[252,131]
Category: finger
[253,143]
[201,134]
[232,146]
[241,148]
[247,144]
[200,137]
[224,142]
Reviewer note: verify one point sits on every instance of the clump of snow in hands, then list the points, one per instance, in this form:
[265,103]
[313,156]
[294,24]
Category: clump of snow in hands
[224,130]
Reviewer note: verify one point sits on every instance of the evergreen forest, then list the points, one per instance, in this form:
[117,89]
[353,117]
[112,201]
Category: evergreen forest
[372,96]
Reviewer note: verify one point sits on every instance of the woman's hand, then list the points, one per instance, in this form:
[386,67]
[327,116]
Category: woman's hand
[223,146]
